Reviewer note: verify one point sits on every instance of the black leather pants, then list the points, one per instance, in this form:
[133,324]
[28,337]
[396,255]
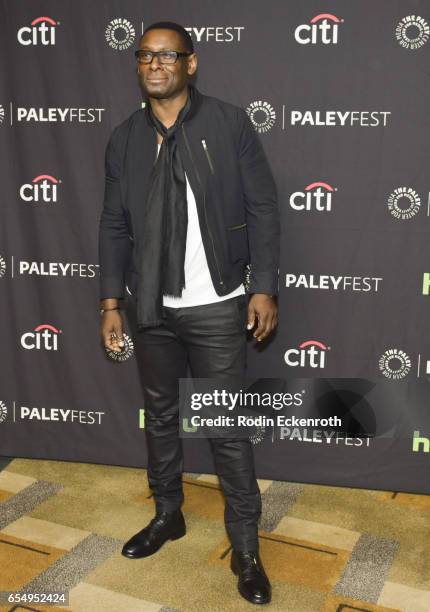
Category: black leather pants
[212,339]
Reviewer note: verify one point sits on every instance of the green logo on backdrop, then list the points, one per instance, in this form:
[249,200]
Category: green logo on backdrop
[426,283]
[420,444]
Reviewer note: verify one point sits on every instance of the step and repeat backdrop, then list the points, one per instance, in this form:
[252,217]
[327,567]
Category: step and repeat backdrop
[339,95]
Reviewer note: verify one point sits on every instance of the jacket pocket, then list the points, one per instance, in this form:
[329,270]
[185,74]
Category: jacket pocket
[238,242]
[208,157]
[234,227]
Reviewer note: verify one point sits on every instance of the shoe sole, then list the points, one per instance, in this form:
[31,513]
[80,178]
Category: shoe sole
[175,536]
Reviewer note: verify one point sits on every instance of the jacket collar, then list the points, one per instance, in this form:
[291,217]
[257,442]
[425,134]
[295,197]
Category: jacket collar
[198,98]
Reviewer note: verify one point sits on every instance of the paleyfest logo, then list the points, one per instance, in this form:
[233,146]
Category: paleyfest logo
[412,32]
[316,196]
[401,196]
[333,118]
[40,32]
[395,364]
[120,34]
[217,34]
[43,188]
[309,354]
[322,28]
[59,115]
[262,115]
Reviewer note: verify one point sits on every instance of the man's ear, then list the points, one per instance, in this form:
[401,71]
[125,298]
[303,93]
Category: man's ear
[192,64]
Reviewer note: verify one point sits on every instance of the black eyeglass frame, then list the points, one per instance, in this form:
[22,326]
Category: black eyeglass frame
[158,53]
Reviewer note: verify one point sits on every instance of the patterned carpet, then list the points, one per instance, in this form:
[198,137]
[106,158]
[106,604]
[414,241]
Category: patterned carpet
[325,548]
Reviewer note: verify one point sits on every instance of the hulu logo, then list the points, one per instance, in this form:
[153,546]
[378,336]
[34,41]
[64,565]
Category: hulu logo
[420,444]
[187,427]
[426,283]
[185,423]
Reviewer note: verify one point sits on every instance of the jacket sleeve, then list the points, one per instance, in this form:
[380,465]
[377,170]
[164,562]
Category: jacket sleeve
[262,210]
[114,245]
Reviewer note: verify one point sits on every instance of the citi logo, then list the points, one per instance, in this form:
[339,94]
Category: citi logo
[322,28]
[43,188]
[309,354]
[40,32]
[420,444]
[316,196]
[43,337]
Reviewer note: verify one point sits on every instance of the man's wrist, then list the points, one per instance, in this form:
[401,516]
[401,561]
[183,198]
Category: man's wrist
[271,295]
[109,303]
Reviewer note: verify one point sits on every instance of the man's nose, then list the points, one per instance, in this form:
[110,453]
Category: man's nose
[155,63]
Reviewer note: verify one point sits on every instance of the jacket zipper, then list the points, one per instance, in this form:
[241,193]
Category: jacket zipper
[205,147]
[156,146]
[204,202]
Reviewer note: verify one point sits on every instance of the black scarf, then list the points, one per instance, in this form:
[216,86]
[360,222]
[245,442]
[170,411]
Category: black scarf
[162,253]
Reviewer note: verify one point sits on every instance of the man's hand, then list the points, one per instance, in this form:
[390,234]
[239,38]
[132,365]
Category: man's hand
[111,330]
[264,308]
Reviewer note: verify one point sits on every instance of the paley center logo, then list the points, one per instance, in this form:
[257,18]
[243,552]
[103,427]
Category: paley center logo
[404,203]
[2,266]
[323,28]
[316,196]
[309,354]
[41,31]
[262,115]
[126,353]
[2,113]
[43,337]
[3,412]
[43,188]
[395,364]
[412,32]
[120,34]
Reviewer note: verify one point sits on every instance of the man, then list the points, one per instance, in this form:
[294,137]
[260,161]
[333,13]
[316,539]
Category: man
[189,201]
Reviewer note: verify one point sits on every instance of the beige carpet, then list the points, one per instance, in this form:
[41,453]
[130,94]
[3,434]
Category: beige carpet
[62,526]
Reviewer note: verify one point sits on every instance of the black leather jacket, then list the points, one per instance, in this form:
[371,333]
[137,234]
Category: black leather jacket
[235,194]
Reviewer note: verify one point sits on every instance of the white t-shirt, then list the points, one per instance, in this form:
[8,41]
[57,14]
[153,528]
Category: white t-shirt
[199,288]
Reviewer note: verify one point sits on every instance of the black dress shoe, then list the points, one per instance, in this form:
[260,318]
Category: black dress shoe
[164,526]
[253,582]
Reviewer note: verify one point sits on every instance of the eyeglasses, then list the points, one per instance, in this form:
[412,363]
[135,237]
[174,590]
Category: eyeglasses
[164,57]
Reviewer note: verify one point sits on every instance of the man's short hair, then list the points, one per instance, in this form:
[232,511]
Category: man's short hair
[171,25]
